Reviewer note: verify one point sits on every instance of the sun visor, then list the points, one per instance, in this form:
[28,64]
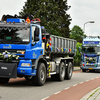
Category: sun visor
[13,27]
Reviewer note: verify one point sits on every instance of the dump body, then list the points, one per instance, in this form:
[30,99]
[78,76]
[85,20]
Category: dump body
[62,45]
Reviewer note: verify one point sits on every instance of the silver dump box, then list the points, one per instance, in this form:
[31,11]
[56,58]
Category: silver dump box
[62,45]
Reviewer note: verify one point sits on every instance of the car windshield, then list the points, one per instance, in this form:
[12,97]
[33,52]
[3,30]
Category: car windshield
[15,36]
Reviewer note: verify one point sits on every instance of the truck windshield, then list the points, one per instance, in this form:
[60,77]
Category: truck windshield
[91,49]
[18,36]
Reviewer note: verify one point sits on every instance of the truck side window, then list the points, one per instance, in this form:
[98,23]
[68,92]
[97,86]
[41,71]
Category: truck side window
[33,29]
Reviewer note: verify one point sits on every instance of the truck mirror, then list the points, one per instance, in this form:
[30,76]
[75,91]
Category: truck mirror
[36,34]
[79,50]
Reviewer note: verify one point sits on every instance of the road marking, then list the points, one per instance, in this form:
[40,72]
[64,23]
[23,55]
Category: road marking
[66,88]
[57,92]
[86,80]
[92,78]
[74,84]
[81,82]
[97,77]
[45,98]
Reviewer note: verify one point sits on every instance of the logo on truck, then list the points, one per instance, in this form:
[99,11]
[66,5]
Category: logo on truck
[7,47]
[34,55]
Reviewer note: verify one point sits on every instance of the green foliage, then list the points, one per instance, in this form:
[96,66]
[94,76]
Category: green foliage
[77,34]
[52,14]
[7,57]
[54,32]
[78,55]
[77,58]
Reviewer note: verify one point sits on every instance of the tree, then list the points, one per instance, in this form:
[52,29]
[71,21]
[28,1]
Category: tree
[77,58]
[52,14]
[77,33]
[78,45]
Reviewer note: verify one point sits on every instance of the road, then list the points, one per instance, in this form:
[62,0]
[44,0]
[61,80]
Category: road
[21,89]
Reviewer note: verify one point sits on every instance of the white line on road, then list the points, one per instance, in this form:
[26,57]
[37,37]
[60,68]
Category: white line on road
[45,98]
[92,78]
[81,82]
[66,88]
[74,84]
[97,77]
[86,80]
[57,92]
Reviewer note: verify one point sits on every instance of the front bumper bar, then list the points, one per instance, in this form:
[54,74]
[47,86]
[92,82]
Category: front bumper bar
[8,70]
[90,68]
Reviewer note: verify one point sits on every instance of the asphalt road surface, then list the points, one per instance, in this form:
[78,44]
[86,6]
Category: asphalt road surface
[20,89]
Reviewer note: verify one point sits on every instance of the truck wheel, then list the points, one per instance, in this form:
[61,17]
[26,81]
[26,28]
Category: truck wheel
[69,71]
[40,77]
[4,80]
[83,70]
[61,74]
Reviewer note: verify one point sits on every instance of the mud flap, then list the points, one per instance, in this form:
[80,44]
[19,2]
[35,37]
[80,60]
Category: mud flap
[8,70]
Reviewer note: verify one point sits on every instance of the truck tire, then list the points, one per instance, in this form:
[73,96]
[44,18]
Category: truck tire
[4,80]
[69,71]
[40,77]
[61,75]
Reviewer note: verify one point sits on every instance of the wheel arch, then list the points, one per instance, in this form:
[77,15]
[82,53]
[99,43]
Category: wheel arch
[40,59]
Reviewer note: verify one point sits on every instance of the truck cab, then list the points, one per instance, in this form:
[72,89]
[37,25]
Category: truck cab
[90,57]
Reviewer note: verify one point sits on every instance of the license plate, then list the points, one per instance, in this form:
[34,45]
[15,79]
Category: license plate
[90,68]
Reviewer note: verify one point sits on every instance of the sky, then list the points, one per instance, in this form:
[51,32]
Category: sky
[81,11]
[11,7]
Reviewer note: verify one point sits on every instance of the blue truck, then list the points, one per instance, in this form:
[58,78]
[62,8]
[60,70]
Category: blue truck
[28,50]
[90,57]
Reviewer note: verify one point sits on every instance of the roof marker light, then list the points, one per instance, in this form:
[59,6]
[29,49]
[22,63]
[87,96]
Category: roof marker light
[13,22]
[6,22]
[28,20]
[9,22]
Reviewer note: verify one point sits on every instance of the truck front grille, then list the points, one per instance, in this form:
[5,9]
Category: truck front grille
[14,52]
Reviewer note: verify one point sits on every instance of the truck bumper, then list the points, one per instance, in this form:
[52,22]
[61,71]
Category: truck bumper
[90,68]
[8,70]
[26,71]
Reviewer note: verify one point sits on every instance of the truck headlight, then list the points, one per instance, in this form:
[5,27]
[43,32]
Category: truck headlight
[21,51]
[25,64]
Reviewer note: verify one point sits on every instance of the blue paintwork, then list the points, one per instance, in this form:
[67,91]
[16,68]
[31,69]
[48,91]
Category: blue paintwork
[90,55]
[16,20]
[26,70]
[91,42]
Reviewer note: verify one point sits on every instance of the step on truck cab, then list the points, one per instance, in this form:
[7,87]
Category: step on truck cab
[27,50]
[90,57]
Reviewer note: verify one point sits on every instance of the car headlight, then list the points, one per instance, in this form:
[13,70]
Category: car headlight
[25,64]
